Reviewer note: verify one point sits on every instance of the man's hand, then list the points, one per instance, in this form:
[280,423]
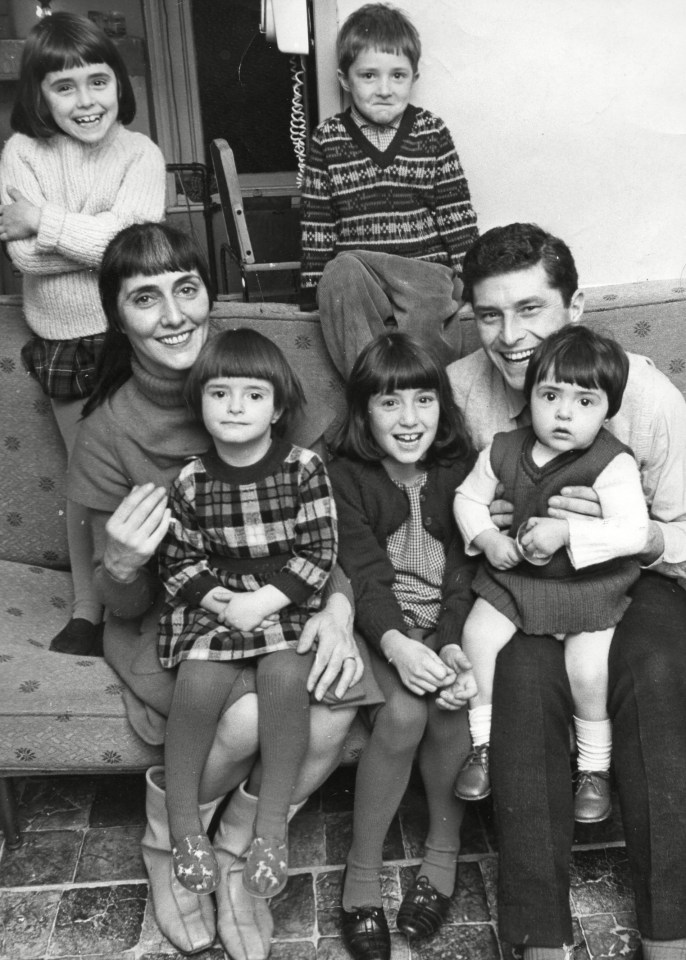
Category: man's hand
[458,693]
[20,219]
[330,632]
[135,531]
[420,669]
[574,502]
[501,511]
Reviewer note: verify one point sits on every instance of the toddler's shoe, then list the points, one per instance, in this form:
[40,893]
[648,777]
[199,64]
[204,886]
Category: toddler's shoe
[473,782]
[195,864]
[592,802]
[266,867]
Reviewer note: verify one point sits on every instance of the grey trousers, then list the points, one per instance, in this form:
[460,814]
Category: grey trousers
[363,293]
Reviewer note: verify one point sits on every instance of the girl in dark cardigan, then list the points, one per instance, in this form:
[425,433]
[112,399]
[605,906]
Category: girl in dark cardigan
[402,451]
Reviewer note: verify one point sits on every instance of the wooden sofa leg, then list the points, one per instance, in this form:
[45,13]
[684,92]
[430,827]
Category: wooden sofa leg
[8,814]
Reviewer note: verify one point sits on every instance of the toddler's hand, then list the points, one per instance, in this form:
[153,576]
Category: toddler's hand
[501,552]
[544,536]
[245,612]
[216,600]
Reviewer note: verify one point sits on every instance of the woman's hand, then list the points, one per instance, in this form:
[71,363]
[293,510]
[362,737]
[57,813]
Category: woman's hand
[20,219]
[420,669]
[457,694]
[135,531]
[330,632]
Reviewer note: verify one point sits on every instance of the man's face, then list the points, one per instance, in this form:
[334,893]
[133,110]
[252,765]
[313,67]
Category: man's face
[514,312]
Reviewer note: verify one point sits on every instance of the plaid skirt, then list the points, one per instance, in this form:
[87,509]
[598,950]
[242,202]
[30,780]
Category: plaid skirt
[65,369]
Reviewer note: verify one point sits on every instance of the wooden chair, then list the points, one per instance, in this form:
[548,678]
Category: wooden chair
[233,210]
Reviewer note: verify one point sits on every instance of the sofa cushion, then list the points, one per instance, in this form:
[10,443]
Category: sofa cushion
[57,712]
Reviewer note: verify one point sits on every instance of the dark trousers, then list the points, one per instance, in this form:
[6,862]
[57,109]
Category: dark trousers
[364,293]
[531,772]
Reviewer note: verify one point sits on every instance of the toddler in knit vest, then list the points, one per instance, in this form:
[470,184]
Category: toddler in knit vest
[569,578]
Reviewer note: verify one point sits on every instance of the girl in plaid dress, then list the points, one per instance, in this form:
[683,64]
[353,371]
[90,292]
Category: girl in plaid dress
[71,177]
[250,545]
[404,450]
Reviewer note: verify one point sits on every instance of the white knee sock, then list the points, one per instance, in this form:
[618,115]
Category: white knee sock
[594,741]
[480,724]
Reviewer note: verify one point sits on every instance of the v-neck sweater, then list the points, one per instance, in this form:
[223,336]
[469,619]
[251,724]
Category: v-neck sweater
[411,200]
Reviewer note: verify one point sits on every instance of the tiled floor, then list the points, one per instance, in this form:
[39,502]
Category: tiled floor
[77,887]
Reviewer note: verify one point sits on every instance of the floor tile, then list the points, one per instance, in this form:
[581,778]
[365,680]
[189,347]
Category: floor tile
[26,920]
[300,950]
[43,858]
[306,839]
[339,834]
[56,803]
[99,919]
[610,935]
[112,854]
[294,909]
[463,942]
[600,881]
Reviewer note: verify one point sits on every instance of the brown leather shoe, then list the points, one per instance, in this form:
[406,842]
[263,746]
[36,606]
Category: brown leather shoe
[473,782]
[592,801]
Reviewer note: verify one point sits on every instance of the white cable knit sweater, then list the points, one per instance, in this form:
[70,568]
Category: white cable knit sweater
[86,195]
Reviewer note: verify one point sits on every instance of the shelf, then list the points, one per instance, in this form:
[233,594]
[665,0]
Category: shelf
[132,50]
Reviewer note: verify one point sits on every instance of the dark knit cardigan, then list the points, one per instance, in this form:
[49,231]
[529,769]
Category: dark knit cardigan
[370,508]
[411,200]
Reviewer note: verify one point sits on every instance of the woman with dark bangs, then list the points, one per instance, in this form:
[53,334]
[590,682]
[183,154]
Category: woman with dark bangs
[402,451]
[138,431]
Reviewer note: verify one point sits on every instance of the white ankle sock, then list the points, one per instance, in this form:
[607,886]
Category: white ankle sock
[548,953]
[480,724]
[594,741]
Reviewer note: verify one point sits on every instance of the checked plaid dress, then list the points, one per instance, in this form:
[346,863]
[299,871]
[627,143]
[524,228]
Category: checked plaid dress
[272,522]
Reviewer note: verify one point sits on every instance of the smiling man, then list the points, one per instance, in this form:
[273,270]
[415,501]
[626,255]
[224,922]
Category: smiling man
[522,283]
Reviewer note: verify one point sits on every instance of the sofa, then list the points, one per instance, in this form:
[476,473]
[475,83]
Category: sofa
[62,714]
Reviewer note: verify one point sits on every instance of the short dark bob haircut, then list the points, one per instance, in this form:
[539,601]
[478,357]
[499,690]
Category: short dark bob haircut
[519,246]
[63,41]
[579,355]
[148,249]
[246,353]
[397,361]
[377,26]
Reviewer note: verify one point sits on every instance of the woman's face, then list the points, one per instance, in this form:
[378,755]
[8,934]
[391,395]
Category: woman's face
[166,319]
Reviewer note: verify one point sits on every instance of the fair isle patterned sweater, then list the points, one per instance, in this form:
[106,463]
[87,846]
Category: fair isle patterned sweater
[87,194]
[411,200]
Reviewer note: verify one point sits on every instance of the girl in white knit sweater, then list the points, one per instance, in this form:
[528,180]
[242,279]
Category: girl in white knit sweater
[71,177]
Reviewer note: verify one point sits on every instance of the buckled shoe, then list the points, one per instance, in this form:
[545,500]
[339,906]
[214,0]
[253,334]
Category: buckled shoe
[422,911]
[366,934]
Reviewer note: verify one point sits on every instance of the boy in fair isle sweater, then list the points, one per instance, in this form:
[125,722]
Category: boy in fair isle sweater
[386,211]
